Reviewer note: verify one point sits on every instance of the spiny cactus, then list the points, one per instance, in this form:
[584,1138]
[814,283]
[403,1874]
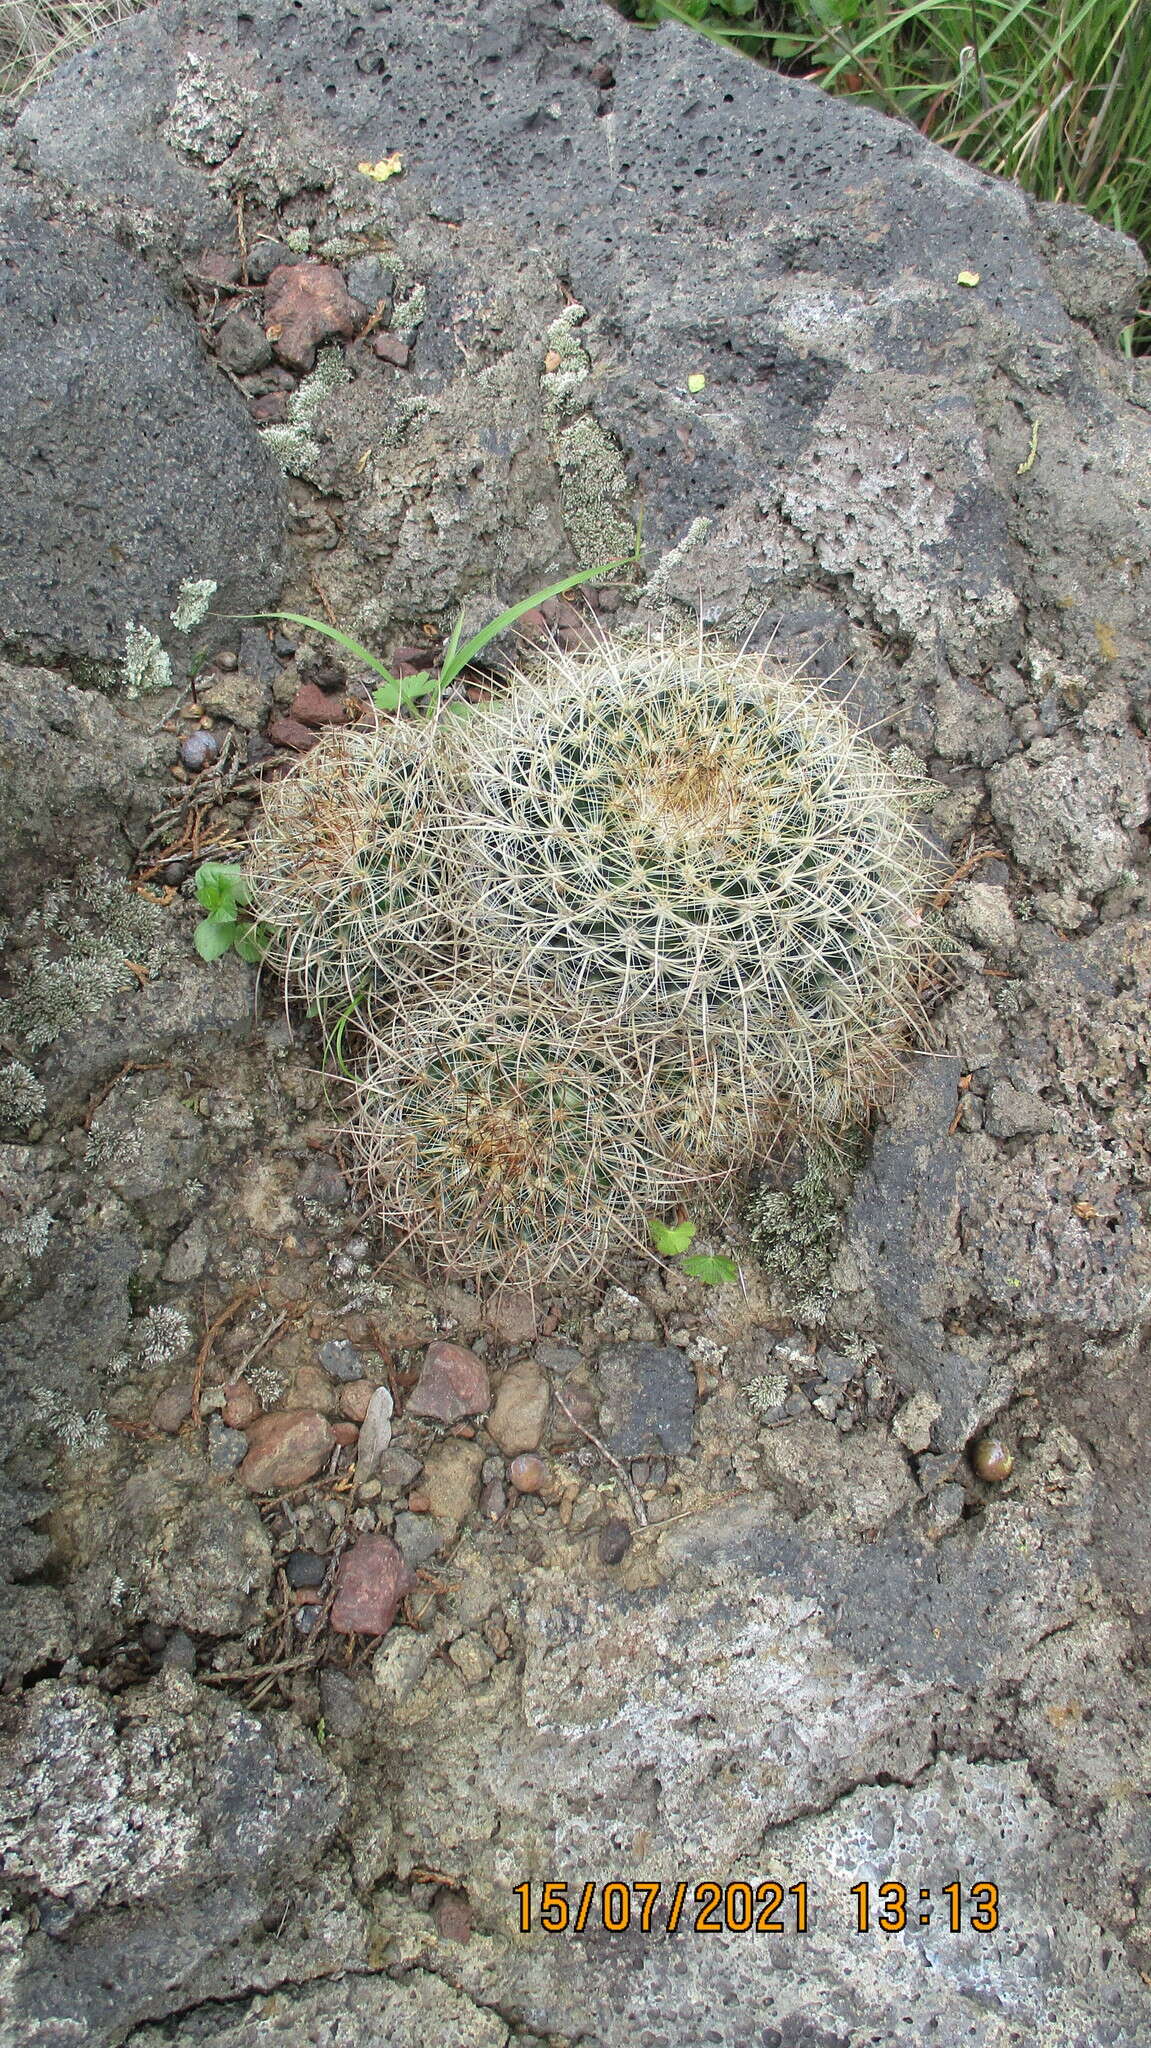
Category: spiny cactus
[688,839]
[343,863]
[508,1138]
[651,915]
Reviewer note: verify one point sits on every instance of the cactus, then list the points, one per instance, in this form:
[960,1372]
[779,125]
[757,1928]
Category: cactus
[506,1137]
[686,839]
[649,916]
[342,865]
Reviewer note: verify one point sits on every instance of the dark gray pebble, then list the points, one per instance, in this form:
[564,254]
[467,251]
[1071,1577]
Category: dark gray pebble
[614,1541]
[306,1568]
[198,750]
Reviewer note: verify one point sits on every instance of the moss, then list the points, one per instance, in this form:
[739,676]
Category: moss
[409,313]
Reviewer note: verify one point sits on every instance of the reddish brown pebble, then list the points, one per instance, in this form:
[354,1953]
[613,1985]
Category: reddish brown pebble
[241,1405]
[419,1503]
[527,1473]
[285,1449]
[271,411]
[305,304]
[311,1388]
[345,1433]
[493,1500]
[453,1382]
[391,349]
[354,1398]
[991,1460]
[170,1410]
[313,706]
[452,1916]
[372,1583]
[212,267]
[288,732]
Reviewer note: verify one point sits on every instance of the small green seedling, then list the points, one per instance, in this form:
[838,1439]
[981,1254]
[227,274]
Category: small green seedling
[397,691]
[222,893]
[673,1240]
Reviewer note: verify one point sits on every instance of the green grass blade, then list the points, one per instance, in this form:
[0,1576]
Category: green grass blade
[455,661]
[343,640]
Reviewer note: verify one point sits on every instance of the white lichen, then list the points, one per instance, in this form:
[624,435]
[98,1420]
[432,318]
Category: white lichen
[162,1335]
[147,668]
[22,1099]
[294,444]
[195,596]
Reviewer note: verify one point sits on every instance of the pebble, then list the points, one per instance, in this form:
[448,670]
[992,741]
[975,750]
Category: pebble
[399,1665]
[510,1315]
[452,1917]
[264,257]
[271,411]
[559,1359]
[286,1449]
[914,1422]
[313,706]
[226,1447]
[472,1659]
[306,1568]
[198,750]
[345,1433]
[170,1410]
[371,1586]
[451,1480]
[453,1382]
[375,1434]
[419,1537]
[527,1473]
[991,1460]
[241,344]
[614,1541]
[517,1421]
[311,1388]
[390,349]
[354,1398]
[396,1471]
[241,1404]
[369,281]
[179,1653]
[341,1359]
[340,1704]
[493,1500]
[305,304]
[649,1397]
[288,732]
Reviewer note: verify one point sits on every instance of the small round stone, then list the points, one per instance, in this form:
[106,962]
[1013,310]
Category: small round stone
[527,1472]
[227,661]
[614,1541]
[991,1460]
[199,750]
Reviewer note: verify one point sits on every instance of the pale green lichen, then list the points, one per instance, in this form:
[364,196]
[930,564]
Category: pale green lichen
[794,1234]
[656,591]
[767,1392]
[593,480]
[147,667]
[163,1334]
[294,445]
[192,603]
[55,1414]
[299,240]
[22,1099]
[209,113]
[408,314]
[92,929]
[30,1233]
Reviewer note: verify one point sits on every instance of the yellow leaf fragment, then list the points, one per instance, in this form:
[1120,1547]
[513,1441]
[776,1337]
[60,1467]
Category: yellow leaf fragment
[387,167]
[1108,645]
[696,382]
[1029,462]
[968,277]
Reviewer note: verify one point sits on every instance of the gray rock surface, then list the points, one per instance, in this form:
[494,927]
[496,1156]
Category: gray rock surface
[127,463]
[845,1658]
